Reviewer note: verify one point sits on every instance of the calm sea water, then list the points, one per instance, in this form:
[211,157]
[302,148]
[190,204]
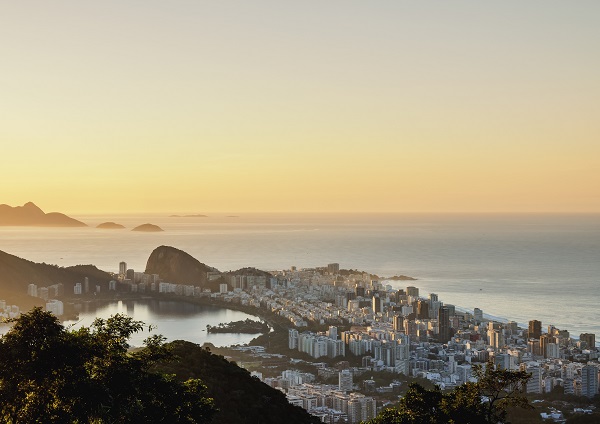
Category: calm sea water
[519,267]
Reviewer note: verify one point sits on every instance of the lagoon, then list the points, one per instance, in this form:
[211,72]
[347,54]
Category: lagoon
[173,319]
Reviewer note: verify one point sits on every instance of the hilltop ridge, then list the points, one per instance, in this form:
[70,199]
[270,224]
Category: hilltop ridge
[17,273]
[31,215]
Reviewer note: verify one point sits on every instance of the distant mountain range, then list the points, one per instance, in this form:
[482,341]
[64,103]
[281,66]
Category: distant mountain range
[31,215]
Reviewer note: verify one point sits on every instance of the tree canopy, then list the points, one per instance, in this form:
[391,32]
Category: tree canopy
[49,373]
[485,401]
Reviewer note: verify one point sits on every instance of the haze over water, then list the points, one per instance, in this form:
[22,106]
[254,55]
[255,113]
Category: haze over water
[518,267]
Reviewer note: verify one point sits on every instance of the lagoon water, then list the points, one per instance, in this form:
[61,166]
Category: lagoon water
[519,267]
[174,320]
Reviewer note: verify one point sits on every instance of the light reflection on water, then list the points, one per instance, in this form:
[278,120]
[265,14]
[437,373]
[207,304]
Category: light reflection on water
[174,320]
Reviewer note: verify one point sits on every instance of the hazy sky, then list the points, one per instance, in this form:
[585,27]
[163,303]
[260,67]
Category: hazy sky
[199,106]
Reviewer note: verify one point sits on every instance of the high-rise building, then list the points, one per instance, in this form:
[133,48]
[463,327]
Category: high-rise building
[552,351]
[533,346]
[444,325]
[77,288]
[589,339]
[332,332]
[345,380]
[422,309]
[496,338]
[589,381]
[55,306]
[477,314]
[412,291]
[544,340]
[535,329]
[32,290]
[333,268]
[359,290]
[398,323]
[86,285]
[534,384]
[122,268]
[43,293]
[293,339]
[376,304]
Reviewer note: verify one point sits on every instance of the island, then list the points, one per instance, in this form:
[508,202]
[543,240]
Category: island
[31,215]
[189,216]
[400,278]
[110,226]
[148,228]
[246,326]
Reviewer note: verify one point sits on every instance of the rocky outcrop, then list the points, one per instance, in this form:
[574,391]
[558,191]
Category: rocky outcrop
[148,228]
[176,266]
[110,226]
[32,216]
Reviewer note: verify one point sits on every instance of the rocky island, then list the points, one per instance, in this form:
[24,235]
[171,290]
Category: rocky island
[246,326]
[110,226]
[148,228]
[400,278]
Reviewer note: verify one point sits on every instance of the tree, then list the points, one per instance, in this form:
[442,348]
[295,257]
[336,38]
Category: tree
[502,389]
[52,374]
[485,401]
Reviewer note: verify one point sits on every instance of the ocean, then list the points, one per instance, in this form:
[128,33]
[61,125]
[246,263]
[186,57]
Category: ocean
[517,267]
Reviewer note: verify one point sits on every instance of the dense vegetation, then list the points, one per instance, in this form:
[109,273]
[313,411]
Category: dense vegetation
[247,326]
[239,397]
[486,401]
[49,374]
[52,374]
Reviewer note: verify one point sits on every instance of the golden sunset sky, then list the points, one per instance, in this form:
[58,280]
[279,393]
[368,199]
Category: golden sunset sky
[355,106]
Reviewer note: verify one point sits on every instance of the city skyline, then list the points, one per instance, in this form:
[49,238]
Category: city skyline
[312,107]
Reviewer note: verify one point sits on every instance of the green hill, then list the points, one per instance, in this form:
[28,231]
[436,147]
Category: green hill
[239,397]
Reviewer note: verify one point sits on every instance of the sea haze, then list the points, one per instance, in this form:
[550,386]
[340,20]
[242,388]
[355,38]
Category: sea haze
[518,267]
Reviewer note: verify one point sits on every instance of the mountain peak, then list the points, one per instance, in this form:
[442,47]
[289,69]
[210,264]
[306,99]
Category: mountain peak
[31,215]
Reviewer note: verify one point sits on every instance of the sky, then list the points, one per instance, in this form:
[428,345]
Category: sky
[312,106]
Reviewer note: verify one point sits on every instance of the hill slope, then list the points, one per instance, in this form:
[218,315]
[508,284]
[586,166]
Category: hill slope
[17,273]
[30,215]
[239,397]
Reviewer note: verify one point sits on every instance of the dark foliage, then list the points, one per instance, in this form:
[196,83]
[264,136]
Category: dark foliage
[486,401]
[49,374]
[239,397]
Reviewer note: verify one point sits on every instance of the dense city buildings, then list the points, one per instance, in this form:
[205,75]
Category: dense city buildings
[351,316]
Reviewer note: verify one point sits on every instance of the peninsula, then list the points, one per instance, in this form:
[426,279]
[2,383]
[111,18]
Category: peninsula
[30,215]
